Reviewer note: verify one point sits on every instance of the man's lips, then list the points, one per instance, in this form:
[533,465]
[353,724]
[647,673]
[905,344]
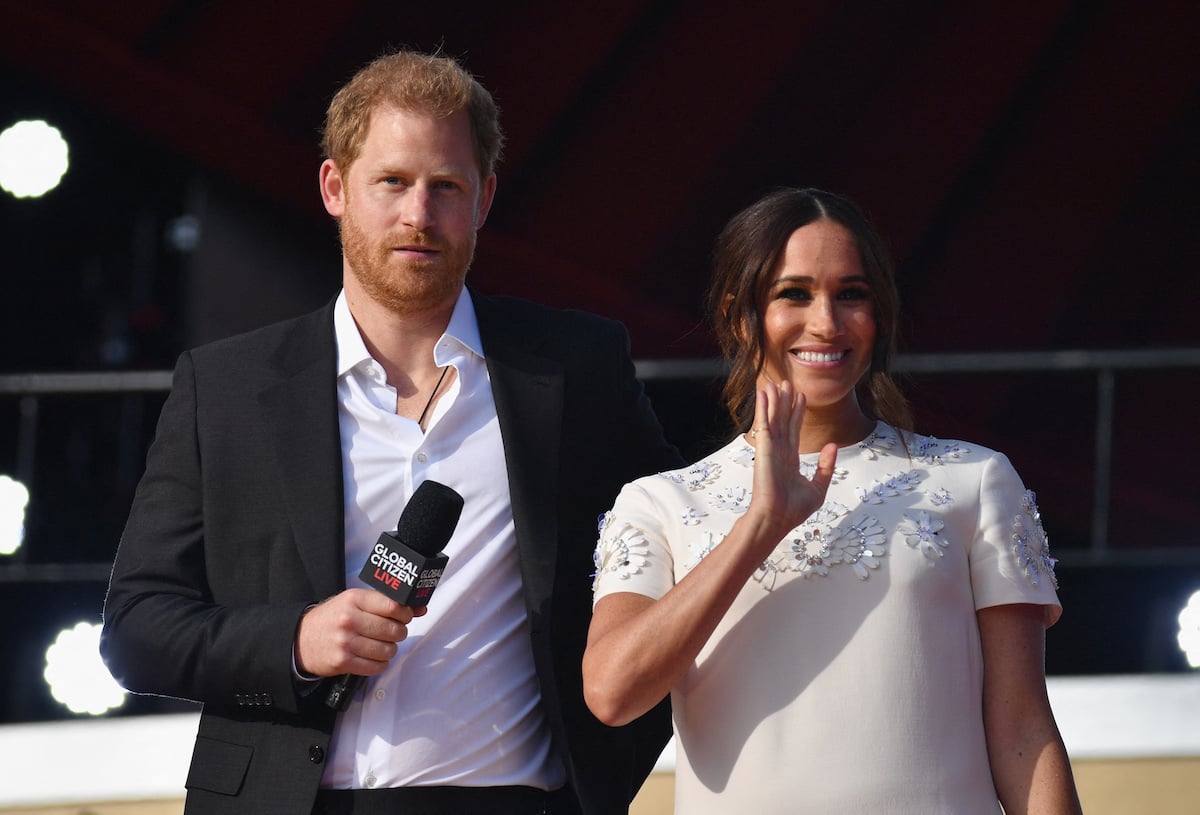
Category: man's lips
[417,242]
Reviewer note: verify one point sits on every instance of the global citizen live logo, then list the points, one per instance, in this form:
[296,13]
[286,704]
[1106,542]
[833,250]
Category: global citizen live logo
[401,573]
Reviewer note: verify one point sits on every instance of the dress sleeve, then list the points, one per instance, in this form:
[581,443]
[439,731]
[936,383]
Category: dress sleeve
[633,552]
[1010,556]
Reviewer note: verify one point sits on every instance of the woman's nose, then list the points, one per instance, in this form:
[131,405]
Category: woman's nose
[823,317]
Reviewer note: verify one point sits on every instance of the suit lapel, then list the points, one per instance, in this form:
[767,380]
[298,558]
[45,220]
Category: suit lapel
[301,412]
[528,391]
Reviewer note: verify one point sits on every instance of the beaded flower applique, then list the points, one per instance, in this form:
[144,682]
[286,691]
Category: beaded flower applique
[877,444]
[1030,542]
[732,499]
[858,545]
[622,553]
[809,468]
[935,451]
[817,546]
[809,548]
[882,490]
[940,497]
[923,532]
[696,477]
[708,540]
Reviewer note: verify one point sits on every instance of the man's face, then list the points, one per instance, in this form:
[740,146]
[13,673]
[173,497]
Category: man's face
[409,207]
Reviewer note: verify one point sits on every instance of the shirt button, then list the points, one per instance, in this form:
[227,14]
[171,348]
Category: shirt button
[380,694]
[369,781]
[421,457]
[316,754]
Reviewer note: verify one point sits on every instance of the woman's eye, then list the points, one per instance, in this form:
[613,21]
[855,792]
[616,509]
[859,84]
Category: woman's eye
[793,294]
[855,295]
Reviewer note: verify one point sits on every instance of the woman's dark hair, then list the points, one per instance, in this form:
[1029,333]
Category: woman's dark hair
[746,255]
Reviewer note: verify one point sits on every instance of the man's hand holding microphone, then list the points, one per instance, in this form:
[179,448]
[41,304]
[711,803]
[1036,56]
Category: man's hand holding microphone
[354,634]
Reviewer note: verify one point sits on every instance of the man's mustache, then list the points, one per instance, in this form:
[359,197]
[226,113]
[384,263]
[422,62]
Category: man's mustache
[415,238]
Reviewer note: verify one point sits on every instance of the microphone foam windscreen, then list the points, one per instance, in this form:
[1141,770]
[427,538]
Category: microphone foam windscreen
[428,520]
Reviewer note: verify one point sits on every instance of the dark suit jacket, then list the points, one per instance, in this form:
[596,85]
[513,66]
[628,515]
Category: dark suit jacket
[236,528]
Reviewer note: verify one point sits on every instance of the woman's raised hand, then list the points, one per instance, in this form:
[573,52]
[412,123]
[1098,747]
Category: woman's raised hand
[783,498]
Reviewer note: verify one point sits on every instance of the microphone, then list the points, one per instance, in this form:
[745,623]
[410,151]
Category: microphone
[407,564]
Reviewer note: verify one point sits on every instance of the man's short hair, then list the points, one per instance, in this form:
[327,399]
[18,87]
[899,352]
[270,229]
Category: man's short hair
[411,81]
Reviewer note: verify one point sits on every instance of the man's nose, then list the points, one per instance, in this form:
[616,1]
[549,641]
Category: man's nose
[417,207]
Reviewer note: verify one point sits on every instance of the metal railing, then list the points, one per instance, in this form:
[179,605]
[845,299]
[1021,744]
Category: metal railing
[28,389]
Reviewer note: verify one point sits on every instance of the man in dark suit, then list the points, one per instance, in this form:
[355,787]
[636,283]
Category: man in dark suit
[283,453]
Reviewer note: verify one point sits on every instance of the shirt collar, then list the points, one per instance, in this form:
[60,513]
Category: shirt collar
[462,331]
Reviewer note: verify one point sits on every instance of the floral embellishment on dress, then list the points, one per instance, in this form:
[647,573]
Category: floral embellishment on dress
[707,542]
[922,532]
[827,513]
[691,515]
[877,444]
[603,521]
[1030,542]
[744,455]
[941,497]
[953,450]
[732,499]
[768,572]
[696,477]
[882,490]
[861,545]
[807,549]
[817,546]
[935,451]
[622,554]
[813,552]
[923,451]
[809,468]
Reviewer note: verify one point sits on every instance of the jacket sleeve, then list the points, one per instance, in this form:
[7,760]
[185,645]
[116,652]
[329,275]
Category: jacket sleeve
[165,633]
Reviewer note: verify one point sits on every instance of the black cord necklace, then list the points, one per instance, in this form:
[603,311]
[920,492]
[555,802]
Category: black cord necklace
[421,421]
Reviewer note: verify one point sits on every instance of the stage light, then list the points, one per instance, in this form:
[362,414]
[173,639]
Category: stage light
[13,500]
[33,159]
[76,674]
[1189,630]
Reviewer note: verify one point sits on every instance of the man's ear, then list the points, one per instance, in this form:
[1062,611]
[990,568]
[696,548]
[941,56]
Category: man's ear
[487,194]
[333,190]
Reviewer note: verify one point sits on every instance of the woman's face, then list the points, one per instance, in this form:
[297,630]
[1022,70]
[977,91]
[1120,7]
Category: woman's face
[819,319]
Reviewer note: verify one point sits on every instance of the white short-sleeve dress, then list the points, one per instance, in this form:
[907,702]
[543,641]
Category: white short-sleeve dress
[847,676]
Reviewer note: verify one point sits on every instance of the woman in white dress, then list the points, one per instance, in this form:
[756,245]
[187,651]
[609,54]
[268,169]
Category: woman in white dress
[848,616]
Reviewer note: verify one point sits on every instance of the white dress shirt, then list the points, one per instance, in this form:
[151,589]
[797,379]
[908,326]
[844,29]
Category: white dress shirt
[459,704]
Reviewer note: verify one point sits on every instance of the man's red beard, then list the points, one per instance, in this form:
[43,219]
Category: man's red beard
[405,285]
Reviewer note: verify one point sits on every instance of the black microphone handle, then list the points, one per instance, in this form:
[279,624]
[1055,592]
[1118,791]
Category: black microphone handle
[426,525]
[342,689]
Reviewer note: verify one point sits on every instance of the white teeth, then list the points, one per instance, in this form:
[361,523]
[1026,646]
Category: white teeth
[811,356]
